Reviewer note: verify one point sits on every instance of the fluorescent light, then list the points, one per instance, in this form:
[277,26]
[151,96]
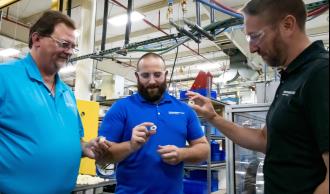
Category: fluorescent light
[121,20]
[5,3]
[9,52]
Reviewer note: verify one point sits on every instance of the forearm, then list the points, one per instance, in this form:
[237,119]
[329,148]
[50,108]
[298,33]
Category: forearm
[83,145]
[119,151]
[195,153]
[323,188]
[252,139]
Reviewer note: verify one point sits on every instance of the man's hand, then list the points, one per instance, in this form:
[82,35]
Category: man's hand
[171,154]
[140,135]
[103,153]
[88,148]
[202,105]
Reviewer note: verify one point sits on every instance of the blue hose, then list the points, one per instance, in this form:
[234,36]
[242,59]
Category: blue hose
[220,9]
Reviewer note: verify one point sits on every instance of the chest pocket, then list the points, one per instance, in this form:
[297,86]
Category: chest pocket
[176,123]
[287,111]
[289,100]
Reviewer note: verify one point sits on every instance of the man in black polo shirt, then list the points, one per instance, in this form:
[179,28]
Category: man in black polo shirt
[296,137]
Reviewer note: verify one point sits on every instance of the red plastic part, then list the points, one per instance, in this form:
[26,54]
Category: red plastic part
[201,80]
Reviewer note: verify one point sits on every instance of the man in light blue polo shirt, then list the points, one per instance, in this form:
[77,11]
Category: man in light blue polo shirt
[151,158]
[40,128]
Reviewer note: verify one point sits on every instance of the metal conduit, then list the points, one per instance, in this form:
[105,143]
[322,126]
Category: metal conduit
[159,29]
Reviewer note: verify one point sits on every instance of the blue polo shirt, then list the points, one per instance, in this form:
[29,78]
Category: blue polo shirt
[40,134]
[144,172]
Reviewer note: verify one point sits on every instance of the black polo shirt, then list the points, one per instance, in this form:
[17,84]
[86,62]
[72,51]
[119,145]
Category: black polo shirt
[298,125]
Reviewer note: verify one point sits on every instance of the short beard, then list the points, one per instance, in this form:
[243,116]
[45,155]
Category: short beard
[143,91]
[279,60]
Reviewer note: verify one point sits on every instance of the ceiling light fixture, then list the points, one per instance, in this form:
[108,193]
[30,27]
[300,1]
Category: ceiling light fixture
[121,20]
[10,52]
[6,3]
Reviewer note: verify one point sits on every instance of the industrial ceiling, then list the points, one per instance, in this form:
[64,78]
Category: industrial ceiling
[191,57]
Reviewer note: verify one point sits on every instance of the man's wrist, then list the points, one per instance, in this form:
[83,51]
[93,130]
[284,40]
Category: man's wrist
[212,117]
[131,147]
[182,154]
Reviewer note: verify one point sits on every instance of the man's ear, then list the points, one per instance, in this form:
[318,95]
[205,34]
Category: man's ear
[288,25]
[136,75]
[35,37]
[166,73]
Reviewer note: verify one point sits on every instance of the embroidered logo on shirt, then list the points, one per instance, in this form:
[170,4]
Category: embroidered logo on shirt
[175,113]
[288,93]
[69,102]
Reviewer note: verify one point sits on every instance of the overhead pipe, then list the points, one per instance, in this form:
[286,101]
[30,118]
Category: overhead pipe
[224,7]
[184,31]
[69,8]
[105,24]
[318,11]
[198,14]
[15,22]
[161,30]
[129,24]
[199,29]
[225,24]
[60,8]
[212,19]
[220,9]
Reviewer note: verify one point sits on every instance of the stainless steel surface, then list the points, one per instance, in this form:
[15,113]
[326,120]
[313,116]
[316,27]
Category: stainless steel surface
[215,166]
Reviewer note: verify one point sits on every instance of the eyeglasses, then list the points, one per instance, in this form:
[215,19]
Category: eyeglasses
[65,44]
[256,37]
[147,75]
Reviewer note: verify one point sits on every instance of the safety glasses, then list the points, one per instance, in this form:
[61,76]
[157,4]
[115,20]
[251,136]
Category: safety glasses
[65,44]
[148,75]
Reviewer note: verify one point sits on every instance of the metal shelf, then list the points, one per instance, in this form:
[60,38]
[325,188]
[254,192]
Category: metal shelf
[88,187]
[108,102]
[214,166]
[215,137]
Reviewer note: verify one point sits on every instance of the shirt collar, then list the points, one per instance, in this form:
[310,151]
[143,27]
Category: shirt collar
[32,69]
[165,99]
[34,73]
[304,57]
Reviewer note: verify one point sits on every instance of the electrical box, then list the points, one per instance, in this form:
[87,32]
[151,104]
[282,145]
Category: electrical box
[89,113]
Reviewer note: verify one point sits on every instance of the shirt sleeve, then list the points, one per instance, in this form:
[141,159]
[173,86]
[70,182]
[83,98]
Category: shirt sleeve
[193,126]
[112,127]
[316,101]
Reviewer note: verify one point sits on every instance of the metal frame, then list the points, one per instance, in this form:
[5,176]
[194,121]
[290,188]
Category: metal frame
[230,163]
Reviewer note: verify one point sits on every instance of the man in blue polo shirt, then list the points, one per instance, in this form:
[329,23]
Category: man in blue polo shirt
[151,158]
[40,128]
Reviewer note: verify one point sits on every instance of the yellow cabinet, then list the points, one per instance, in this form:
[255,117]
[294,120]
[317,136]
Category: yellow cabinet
[89,113]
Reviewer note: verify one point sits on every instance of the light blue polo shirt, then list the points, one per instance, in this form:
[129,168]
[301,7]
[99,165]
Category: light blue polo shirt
[40,134]
[144,172]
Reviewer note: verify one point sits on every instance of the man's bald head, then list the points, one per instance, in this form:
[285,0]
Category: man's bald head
[150,55]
